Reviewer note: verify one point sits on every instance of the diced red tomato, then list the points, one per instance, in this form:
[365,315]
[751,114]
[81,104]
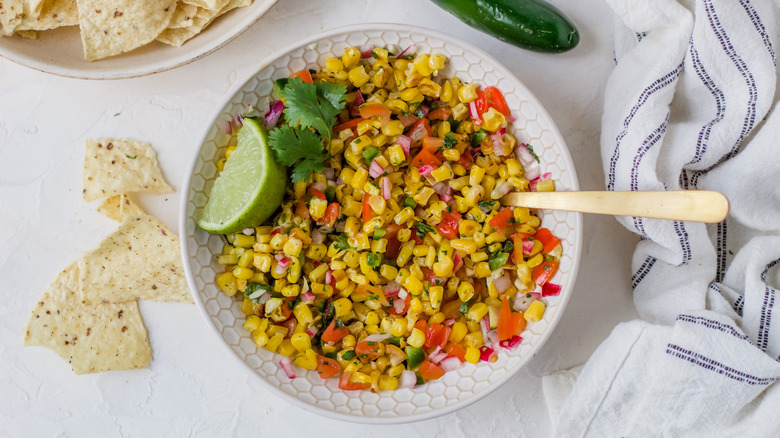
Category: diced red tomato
[333,334]
[547,238]
[407,121]
[495,99]
[481,105]
[440,114]
[425,157]
[317,194]
[368,350]
[346,385]
[421,325]
[544,272]
[448,226]
[420,130]
[510,324]
[366,208]
[302,210]
[501,221]
[331,214]
[438,335]
[327,367]
[456,350]
[368,110]
[429,371]
[367,290]
[392,310]
[432,144]
[350,124]
[304,75]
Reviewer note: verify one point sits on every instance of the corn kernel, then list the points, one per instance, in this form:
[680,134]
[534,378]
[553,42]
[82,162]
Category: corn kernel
[416,338]
[467,93]
[482,270]
[472,355]
[535,311]
[474,339]
[227,283]
[477,311]
[351,57]
[459,331]
[301,341]
[334,64]
[443,173]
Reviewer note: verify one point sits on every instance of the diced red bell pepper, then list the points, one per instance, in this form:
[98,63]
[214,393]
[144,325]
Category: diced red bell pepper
[429,371]
[420,130]
[366,208]
[392,310]
[327,367]
[544,272]
[448,227]
[495,99]
[421,325]
[304,75]
[510,323]
[372,109]
[331,214]
[333,334]
[317,193]
[547,238]
[350,124]
[346,385]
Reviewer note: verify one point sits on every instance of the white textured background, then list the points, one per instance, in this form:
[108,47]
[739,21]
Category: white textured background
[193,386]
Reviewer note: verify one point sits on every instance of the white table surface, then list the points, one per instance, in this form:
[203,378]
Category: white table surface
[193,386]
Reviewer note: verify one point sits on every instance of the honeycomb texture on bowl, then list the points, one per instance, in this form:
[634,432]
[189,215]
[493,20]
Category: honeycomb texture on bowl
[457,388]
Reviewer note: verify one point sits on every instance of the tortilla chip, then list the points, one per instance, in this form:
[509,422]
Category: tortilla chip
[111,27]
[141,259]
[115,167]
[212,5]
[183,17]
[28,34]
[92,338]
[35,7]
[117,207]
[204,17]
[53,14]
[11,13]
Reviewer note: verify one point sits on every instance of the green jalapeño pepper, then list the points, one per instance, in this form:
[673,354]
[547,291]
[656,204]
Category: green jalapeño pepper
[530,24]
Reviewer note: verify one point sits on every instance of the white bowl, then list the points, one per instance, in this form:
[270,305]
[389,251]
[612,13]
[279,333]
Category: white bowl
[457,388]
[59,51]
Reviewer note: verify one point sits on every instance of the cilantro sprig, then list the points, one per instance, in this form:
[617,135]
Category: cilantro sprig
[310,111]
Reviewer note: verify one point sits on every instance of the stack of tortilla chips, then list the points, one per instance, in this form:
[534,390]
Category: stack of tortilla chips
[89,315]
[111,27]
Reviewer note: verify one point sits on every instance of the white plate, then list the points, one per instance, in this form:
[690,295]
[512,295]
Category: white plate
[59,51]
[456,389]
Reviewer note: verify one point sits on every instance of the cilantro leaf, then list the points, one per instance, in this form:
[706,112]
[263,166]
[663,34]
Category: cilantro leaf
[423,229]
[450,141]
[313,105]
[533,154]
[341,241]
[291,145]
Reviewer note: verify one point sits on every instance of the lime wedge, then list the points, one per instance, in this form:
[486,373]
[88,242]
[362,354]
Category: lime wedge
[249,189]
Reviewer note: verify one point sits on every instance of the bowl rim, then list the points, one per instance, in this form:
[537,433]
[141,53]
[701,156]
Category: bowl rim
[171,63]
[183,220]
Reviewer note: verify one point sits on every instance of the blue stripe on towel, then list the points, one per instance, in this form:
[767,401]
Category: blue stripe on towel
[712,365]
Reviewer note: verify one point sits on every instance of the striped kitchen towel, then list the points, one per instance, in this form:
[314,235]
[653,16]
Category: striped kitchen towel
[691,105]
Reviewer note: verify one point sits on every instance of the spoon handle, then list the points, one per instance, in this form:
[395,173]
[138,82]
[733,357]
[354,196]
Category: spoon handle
[684,205]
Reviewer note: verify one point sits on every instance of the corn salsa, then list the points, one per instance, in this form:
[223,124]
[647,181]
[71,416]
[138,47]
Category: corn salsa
[397,262]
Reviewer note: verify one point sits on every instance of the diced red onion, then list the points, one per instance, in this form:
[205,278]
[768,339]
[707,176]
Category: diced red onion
[248,231]
[551,290]
[426,170]
[407,51]
[451,364]
[437,355]
[225,127]
[319,186]
[502,283]
[377,337]
[375,169]
[487,354]
[272,116]
[449,321]
[399,304]
[311,331]
[484,325]
[503,189]
[545,176]
[308,297]
[474,114]
[340,226]
[535,295]
[528,246]
[339,181]
[286,364]
[532,170]
[317,237]
[263,298]
[458,262]
[402,293]
[237,121]
[408,379]
[328,277]
[386,188]
[511,343]
[498,145]
[329,173]
[447,195]
[354,110]
[290,324]
[408,120]
[532,185]
[440,188]
[392,288]
[281,266]
[367,52]
[425,110]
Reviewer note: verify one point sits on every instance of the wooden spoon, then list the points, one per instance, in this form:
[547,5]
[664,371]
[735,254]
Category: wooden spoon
[684,205]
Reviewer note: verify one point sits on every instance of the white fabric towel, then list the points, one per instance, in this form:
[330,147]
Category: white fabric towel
[691,105]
